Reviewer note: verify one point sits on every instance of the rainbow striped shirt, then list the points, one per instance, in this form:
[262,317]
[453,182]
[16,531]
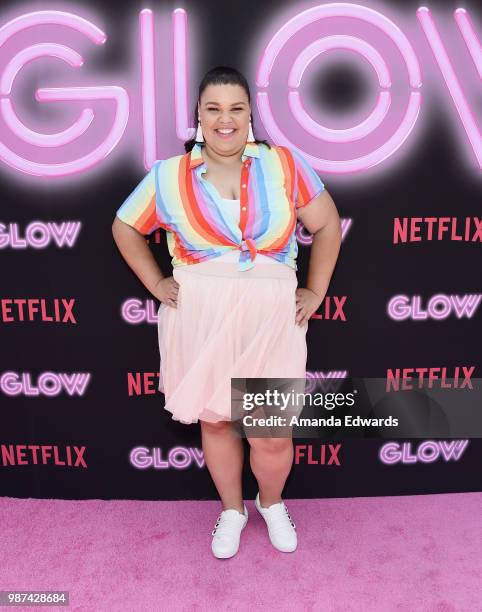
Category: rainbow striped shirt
[174,195]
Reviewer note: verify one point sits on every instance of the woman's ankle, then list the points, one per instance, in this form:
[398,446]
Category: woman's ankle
[239,508]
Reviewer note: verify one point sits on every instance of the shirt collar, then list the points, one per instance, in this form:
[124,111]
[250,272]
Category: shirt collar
[250,150]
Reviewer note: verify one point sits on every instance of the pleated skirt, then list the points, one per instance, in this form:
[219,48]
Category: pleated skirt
[227,324]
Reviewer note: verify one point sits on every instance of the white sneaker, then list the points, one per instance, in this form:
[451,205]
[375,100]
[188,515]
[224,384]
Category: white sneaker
[227,532]
[281,528]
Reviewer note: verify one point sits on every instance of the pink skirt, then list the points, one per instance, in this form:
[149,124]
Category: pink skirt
[227,324]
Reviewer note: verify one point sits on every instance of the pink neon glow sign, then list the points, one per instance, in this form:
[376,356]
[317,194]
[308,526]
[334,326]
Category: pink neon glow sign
[74,59]
[346,141]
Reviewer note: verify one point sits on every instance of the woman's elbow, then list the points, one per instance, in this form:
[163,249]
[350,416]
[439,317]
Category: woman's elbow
[117,228]
[117,224]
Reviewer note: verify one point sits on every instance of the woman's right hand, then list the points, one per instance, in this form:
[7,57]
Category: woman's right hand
[166,291]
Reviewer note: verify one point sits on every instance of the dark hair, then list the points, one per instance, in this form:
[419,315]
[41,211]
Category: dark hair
[221,75]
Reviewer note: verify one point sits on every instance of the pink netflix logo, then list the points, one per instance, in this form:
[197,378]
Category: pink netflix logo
[177,458]
[428,451]
[418,229]
[325,454]
[438,307]
[39,235]
[377,44]
[403,379]
[142,383]
[42,454]
[14,310]
[331,309]
[49,384]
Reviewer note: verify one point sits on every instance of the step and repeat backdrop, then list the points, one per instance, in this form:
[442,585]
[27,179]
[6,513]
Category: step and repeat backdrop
[384,101]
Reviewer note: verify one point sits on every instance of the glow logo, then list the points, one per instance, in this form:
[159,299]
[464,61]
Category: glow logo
[389,62]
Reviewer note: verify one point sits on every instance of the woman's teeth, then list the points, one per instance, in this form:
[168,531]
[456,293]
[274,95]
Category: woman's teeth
[225,133]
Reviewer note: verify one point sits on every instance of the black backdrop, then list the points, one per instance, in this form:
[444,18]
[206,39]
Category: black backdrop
[436,177]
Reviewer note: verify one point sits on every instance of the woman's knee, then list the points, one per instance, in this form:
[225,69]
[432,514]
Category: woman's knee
[271,445]
[219,427]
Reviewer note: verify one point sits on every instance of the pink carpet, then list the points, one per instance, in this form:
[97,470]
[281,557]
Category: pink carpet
[411,553]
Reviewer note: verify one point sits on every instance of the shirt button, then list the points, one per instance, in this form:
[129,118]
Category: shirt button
[243,208]
[243,185]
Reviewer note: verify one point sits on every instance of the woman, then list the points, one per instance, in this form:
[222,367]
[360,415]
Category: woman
[232,308]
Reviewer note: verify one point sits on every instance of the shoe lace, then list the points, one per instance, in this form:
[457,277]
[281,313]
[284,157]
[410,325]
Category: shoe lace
[216,525]
[281,519]
[223,526]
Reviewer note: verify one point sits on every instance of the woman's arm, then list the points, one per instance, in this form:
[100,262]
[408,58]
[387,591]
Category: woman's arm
[135,250]
[320,217]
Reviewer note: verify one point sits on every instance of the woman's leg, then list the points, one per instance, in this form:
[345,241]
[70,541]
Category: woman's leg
[271,460]
[224,455]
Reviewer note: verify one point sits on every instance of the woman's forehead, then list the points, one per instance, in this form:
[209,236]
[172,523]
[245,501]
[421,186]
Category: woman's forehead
[224,93]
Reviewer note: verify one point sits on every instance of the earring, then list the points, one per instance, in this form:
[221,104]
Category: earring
[250,133]
[199,133]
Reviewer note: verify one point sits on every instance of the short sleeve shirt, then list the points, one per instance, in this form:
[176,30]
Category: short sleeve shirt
[173,195]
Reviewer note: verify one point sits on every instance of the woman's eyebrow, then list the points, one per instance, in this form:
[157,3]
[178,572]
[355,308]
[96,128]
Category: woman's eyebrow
[233,104]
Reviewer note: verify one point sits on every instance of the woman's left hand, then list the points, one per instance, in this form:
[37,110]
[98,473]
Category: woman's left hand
[307,302]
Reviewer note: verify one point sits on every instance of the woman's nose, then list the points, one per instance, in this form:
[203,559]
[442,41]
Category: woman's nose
[226,117]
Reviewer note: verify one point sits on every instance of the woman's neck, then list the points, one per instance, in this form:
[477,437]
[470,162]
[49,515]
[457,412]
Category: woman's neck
[227,160]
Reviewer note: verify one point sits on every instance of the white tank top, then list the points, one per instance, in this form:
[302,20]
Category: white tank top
[231,209]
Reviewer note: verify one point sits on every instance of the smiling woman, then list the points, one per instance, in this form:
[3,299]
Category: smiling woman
[228,126]
[232,308]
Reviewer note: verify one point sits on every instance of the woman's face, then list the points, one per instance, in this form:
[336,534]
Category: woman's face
[225,112]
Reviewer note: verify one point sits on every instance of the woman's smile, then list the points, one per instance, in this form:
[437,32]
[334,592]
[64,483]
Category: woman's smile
[225,133]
